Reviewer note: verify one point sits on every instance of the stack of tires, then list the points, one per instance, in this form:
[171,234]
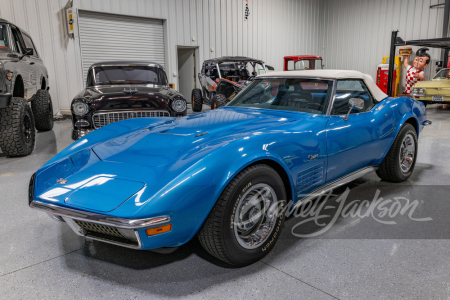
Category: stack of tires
[19,122]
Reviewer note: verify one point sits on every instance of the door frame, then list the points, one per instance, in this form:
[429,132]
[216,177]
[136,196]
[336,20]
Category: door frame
[197,66]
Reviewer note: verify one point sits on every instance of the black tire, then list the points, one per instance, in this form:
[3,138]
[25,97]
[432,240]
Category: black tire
[197,100]
[218,100]
[41,104]
[425,103]
[216,234]
[17,131]
[390,169]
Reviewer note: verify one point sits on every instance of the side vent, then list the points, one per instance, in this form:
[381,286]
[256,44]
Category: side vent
[310,177]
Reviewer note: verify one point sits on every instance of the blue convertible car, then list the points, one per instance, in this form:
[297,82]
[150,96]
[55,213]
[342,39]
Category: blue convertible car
[228,175]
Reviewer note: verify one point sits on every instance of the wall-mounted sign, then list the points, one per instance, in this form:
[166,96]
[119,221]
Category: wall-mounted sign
[70,20]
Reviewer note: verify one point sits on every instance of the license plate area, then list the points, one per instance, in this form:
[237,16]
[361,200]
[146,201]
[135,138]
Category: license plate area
[438,98]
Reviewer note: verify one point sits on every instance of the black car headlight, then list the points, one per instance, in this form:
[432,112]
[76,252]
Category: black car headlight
[179,105]
[80,108]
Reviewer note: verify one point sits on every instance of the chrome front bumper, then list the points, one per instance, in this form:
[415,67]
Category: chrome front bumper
[112,230]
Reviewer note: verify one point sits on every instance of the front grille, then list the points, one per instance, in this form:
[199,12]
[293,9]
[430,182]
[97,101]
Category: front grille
[102,119]
[106,233]
[93,227]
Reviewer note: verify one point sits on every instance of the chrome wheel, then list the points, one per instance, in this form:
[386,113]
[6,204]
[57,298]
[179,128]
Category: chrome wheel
[407,153]
[255,216]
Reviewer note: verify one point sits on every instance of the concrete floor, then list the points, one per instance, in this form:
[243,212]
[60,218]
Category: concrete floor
[44,259]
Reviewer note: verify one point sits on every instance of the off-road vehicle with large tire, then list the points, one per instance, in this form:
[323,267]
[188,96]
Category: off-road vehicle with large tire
[25,103]
[222,78]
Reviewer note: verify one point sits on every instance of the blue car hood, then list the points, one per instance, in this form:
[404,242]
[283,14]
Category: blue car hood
[160,144]
[147,158]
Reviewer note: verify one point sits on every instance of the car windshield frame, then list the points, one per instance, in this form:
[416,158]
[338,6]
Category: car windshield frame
[324,107]
[4,31]
[441,71]
[92,76]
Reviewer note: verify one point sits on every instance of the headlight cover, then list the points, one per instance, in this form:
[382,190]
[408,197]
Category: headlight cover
[179,105]
[418,91]
[80,108]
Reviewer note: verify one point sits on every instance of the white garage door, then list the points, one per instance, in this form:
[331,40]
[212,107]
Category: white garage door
[105,37]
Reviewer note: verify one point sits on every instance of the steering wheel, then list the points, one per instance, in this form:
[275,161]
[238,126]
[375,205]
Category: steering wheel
[296,97]
[318,106]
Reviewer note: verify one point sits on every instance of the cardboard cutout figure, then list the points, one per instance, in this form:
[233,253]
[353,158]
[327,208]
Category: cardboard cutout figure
[416,73]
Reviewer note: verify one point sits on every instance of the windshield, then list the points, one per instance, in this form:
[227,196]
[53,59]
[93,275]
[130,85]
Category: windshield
[3,37]
[305,64]
[442,74]
[128,75]
[294,94]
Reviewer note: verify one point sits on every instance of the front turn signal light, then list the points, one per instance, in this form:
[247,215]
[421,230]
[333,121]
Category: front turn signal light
[158,230]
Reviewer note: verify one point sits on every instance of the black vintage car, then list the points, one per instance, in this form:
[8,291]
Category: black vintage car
[120,90]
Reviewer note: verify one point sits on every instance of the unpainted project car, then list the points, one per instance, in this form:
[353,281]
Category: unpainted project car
[152,182]
[222,78]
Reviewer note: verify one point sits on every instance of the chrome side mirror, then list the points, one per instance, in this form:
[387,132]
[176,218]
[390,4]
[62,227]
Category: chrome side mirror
[354,104]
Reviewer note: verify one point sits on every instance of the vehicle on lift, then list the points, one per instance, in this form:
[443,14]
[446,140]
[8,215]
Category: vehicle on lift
[228,175]
[302,62]
[434,90]
[222,78]
[23,81]
[121,90]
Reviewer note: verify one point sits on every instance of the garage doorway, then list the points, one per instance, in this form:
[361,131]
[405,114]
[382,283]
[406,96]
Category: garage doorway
[187,78]
[110,37]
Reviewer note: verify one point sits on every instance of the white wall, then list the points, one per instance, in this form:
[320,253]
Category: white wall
[357,33]
[275,28]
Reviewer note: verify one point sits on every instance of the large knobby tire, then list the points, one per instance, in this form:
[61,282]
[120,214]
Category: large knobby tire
[41,104]
[225,234]
[218,100]
[399,163]
[17,131]
[197,100]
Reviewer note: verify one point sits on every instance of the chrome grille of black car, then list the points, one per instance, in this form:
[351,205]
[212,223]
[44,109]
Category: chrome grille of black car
[102,119]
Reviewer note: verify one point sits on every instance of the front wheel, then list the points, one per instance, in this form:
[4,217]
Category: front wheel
[197,100]
[218,100]
[17,131]
[247,219]
[399,163]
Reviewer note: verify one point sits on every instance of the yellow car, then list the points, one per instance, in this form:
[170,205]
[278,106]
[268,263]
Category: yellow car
[437,90]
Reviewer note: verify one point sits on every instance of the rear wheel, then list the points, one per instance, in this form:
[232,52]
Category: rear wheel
[197,100]
[218,100]
[41,104]
[399,163]
[247,219]
[425,103]
[17,131]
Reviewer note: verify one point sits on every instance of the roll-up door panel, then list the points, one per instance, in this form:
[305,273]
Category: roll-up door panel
[105,37]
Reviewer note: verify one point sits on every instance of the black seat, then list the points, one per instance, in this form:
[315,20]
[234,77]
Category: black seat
[244,74]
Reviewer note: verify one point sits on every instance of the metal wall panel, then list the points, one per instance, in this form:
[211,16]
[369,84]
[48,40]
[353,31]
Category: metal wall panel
[356,34]
[274,29]
[115,37]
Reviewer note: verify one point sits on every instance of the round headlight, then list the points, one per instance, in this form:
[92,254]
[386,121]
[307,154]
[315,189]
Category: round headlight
[179,105]
[80,108]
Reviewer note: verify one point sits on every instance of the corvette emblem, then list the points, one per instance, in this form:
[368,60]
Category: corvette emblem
[61,181]
[312,157]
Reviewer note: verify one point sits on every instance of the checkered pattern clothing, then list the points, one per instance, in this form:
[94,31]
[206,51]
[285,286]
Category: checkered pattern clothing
[410,80]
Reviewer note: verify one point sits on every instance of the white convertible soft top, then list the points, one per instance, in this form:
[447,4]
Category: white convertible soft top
[333,74]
